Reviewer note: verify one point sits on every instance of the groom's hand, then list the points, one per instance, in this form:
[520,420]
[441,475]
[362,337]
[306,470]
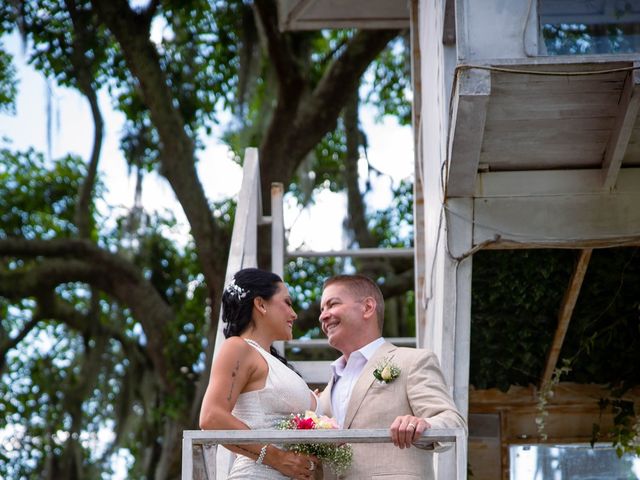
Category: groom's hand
[406,429]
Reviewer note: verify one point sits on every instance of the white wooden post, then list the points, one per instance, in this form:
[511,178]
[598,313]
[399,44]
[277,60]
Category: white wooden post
[447,223]
[277,239]
[277,229]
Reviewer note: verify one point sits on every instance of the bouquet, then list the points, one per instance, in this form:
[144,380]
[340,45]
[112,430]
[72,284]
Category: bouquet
[337,457]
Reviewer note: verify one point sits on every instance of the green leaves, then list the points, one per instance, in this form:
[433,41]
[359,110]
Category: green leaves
[8,83]
[38,197]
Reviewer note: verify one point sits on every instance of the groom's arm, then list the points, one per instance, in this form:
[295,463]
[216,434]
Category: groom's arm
[430,401]
[429,395]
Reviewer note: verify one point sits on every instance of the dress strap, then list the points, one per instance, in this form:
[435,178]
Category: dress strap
[255,344]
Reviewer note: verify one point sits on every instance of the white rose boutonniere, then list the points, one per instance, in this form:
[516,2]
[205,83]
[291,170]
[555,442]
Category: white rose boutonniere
[386,371]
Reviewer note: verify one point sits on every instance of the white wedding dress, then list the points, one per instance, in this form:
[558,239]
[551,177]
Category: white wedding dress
[284,393]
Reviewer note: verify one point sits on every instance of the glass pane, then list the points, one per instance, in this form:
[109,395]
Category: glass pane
[571,462]
[580,27]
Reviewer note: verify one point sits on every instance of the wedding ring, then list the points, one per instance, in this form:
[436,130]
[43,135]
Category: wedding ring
[312,466]
[412,425]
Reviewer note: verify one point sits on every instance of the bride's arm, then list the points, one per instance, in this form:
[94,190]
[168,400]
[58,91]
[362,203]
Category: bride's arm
[231,371]
[236,367]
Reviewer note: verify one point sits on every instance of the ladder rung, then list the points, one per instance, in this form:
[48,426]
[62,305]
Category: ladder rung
[314,371]
[358,252]
[323,343]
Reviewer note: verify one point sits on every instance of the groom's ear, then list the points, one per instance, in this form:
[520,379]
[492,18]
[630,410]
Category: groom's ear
[369,304]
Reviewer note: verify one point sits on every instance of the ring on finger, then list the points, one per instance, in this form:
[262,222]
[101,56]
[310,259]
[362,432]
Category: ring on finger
[411,425]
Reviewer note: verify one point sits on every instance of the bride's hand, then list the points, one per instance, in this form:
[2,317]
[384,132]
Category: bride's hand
[295,465]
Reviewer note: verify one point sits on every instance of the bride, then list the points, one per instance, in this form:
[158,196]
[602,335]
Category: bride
[251,386]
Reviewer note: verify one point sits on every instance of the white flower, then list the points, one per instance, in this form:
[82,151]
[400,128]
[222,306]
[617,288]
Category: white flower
[234,289]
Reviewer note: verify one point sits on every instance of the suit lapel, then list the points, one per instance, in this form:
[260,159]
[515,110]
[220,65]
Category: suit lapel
[325,399]
[365,380]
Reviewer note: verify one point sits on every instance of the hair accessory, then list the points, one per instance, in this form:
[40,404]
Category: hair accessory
[236,290]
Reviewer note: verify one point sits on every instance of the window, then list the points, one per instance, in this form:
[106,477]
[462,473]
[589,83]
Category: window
[586,27]
[571,462]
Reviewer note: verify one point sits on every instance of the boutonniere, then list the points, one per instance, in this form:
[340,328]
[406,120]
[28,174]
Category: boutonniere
[386,371]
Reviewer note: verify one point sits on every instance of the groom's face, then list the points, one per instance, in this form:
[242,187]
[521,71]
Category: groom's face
[341,318]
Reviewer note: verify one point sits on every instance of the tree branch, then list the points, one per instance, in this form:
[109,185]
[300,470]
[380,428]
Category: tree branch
[177,148]
[81,261]
[293,138]
[82,70]
[279,50]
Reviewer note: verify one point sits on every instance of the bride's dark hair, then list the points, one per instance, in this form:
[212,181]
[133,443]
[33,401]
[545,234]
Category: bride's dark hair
[237,300]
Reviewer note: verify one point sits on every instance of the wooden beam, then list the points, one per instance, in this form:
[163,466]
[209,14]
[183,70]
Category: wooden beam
[552,182]
[628,108]
[419,261]
[278,247]
[467,131]
[558,221]
[449,28]
[363,14]
[564,316]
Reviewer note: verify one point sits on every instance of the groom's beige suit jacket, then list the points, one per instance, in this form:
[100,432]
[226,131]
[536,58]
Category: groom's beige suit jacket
[419,390]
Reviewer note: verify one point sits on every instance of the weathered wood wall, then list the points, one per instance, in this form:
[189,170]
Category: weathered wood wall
[499,419]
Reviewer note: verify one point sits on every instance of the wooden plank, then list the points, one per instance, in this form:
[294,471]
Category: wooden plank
[373,23]
[626,118]
[544,136]
[318,343]
[550,96]
[559,221]
[456,341]
[551,182]
[277,229]
[356,252]
[569,85]
[315,372]
[242,235]
[370,435]
[548,69]
[187,459]
[564,316]
[552,157]
[496,125]
[565,393]
[467,130]
[320,14]
[550,75]
[419,224]
[518,111]
[632,155]
[449,27]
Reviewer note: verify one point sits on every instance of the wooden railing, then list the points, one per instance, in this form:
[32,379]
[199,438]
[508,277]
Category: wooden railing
[199,447]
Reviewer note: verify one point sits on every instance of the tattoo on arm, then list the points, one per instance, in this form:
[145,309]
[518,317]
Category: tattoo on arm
[234,374]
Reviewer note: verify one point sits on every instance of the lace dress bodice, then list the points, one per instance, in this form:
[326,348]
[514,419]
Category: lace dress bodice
[284,393]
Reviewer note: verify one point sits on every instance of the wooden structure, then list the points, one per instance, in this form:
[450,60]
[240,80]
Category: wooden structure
[201,459]
[513,149]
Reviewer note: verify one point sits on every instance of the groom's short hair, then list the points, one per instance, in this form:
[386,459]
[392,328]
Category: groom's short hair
[361,287]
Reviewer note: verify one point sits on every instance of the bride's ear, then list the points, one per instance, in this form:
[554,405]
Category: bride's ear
[258,304]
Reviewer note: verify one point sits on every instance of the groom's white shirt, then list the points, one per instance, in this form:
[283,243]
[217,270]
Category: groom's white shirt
[345,375]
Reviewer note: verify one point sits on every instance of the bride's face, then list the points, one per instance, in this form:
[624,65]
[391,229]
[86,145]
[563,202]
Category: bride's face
[279,315]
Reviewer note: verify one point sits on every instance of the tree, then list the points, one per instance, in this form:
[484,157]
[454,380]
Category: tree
[126,309]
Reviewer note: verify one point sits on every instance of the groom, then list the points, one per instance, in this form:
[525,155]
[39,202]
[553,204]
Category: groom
[411,397]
